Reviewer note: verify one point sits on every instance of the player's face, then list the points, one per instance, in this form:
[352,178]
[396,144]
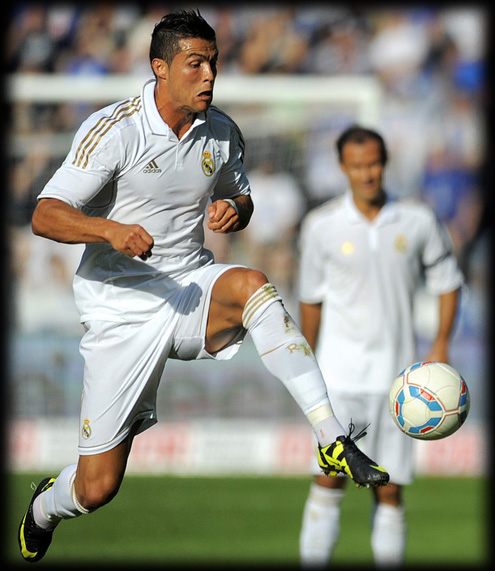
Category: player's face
[362,163]
[192,75]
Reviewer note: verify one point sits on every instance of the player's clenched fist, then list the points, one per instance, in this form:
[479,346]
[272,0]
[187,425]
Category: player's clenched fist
[223,217]
[132,240]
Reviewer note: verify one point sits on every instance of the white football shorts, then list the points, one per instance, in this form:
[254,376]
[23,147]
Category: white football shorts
[384,442]
[123,362]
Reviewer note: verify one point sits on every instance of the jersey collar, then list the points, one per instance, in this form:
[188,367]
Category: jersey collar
[388,212]
[155,122]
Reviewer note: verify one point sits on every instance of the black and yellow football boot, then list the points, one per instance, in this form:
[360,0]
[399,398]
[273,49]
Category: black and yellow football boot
[33,540]
[343,456]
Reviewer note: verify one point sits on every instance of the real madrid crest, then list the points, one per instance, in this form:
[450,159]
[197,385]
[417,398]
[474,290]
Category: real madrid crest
[401,243]
[208,164]
[86,429]
[347,248]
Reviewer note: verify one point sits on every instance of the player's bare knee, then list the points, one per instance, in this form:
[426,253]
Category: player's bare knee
[251,283]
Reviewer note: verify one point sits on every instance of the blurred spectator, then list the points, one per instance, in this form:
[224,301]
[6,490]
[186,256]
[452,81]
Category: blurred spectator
[137,42]
[93,44]
[398,51]
[30,47]
[468,29]
[442,52]
[339,48]
[61,21]
[452,188]
[230,25]
[273,45]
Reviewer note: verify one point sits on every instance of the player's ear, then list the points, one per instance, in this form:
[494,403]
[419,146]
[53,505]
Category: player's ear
[160,68]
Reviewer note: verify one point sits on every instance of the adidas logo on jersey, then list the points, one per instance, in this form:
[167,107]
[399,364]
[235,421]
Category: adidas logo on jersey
[152,168]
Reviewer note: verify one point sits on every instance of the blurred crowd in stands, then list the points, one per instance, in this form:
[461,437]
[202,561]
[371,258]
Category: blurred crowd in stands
[430,61]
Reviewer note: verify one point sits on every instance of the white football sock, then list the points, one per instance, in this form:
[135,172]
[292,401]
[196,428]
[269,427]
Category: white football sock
[388,537]
[59,501]
[321,525]
[287,355]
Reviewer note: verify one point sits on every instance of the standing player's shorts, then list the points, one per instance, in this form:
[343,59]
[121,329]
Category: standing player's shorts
[124,362]
[384,442]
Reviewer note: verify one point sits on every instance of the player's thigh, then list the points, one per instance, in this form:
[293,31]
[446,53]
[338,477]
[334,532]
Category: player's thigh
[209,307]
[123,365]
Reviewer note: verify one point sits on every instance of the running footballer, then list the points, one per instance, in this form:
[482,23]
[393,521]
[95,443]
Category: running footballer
[135,187]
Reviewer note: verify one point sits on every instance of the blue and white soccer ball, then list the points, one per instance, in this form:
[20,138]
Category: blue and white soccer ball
[429,400]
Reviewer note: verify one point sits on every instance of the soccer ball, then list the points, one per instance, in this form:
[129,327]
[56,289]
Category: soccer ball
[429,400]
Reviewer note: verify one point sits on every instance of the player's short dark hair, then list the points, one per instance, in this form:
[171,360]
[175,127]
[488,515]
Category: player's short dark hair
[358,134]
[174,27]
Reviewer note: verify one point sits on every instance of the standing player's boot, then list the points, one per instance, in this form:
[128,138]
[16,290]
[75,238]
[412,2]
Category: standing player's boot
[33,540]
[344,456]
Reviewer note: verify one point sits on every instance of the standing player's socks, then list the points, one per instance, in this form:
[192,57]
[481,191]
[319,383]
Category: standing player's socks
[388,537]
[321,525]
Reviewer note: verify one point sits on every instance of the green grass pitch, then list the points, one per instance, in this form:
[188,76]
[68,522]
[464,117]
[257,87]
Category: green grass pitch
[252,521]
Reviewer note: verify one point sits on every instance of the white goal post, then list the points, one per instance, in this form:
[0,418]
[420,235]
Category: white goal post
[363,91]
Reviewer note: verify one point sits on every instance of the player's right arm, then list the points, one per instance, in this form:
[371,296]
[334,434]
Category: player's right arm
[310,322]
[97,154]
[312,278]
[59,221]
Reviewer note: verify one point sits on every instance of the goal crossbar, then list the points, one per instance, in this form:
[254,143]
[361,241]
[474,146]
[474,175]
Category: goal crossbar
[364,91]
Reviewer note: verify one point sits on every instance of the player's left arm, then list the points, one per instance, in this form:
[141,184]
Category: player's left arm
[224,217]
[232,206]
[444,278]
[448,303]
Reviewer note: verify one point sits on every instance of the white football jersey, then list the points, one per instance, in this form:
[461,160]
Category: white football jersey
[366,274]
[126,164]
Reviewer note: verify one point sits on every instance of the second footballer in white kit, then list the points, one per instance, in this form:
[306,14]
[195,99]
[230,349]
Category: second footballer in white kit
[135,188]
[364,255]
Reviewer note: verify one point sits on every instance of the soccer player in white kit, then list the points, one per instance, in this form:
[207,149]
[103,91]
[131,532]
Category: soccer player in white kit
[363,256]
[134,188]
